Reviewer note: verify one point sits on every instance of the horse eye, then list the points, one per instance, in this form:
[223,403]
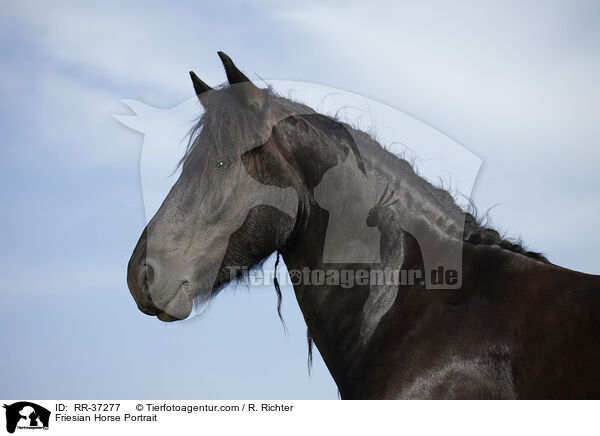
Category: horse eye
[222,162]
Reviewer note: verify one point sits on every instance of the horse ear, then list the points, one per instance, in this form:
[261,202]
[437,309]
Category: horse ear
[248,92]
[199,86]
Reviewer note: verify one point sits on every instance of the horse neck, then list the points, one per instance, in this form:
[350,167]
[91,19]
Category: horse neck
[335,237]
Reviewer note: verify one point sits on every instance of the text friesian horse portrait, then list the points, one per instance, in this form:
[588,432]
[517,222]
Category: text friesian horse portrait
[265,174]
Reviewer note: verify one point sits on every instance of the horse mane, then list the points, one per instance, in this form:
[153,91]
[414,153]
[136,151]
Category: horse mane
[221,105]
[477,230]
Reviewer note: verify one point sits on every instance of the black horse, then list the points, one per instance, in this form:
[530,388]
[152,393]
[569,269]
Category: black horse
[368,244]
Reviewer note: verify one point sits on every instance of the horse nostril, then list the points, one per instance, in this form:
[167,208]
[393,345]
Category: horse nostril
[149,274]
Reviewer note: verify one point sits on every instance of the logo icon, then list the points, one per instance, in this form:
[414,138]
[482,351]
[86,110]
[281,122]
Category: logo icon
[26,415]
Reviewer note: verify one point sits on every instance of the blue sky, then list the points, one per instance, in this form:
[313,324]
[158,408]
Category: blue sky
[516,84]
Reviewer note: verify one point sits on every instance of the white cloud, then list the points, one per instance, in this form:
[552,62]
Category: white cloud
[128,47]
[459,56]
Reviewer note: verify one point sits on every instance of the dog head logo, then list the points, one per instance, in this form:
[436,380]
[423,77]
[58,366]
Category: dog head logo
[26,415]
